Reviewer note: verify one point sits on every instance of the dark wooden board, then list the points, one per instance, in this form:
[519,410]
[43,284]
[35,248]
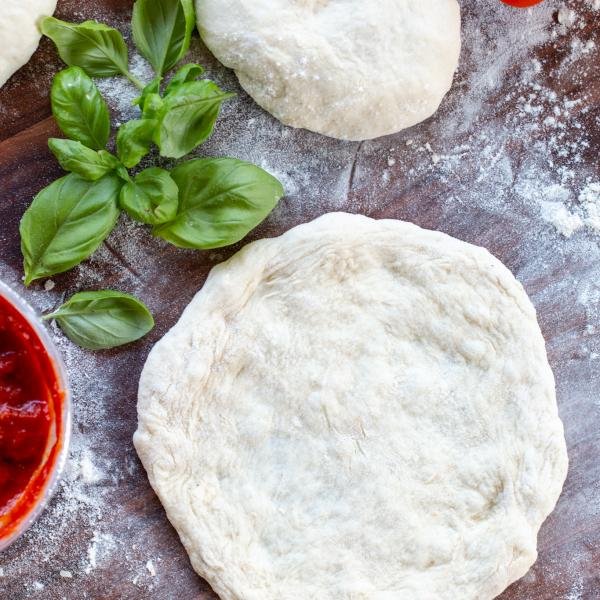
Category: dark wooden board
[551,268]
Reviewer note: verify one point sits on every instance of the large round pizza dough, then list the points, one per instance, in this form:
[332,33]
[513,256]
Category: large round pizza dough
[356,409]
[19,35]
[350,69]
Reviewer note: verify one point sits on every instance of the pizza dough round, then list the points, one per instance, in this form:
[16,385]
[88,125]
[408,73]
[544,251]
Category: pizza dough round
[350,69]
[356,409]
[19,34]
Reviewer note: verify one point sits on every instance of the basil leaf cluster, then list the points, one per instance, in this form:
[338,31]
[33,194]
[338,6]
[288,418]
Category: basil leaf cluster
[201,203]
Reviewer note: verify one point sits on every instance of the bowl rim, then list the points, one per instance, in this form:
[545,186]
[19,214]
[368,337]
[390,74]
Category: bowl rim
[51,484]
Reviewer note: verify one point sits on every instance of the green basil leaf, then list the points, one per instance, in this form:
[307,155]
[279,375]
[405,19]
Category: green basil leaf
[187,117]
[152,105]
[122,172]
[162,30]
[104,319]
[77,158]
[98,49]
[187,73]
[152,88]
[79,109]
[134,140]
[152,197]
[66,223]
[220,201]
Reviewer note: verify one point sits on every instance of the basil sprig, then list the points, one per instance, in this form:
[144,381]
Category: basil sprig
[104,319]
[201,203]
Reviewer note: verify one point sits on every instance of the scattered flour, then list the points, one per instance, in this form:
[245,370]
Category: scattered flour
[590,201]
[521,153]
[567,16]
[151,568]
[565,222]
[89,473]
[512,149]
[576,592]
[101,546]
[585,214]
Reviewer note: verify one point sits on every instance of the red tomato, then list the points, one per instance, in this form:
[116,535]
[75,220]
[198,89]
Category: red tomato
[522,3]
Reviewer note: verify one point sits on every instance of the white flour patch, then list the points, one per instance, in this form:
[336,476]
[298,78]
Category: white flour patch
[589,199]
[567,16]
[557,214]
[120,93]
[90,474]
[151,568]
[101,547]
[556,200]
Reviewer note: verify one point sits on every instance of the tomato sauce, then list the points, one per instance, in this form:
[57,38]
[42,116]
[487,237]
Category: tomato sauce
[30,418]
[522,3]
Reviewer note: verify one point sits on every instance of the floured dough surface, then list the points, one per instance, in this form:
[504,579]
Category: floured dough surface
[355,410]
[19,35]
[350,69]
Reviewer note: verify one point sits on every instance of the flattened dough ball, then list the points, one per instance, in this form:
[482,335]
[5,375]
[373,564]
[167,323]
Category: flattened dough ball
[19,35]
[356,409]
[349,69]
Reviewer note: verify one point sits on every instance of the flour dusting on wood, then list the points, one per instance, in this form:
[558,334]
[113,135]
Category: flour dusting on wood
[506,152]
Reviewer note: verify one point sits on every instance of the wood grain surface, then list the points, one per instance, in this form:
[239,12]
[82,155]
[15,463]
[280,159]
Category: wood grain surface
[329,175]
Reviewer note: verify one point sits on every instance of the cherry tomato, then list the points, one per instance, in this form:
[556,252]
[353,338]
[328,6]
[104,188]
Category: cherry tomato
[522,3]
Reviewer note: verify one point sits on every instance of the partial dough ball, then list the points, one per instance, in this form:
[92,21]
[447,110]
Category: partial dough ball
[19,35]
[349,69]
[356,409]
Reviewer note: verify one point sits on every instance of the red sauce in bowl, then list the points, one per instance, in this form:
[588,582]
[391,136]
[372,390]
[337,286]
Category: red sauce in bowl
[31,402]
[522,3]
